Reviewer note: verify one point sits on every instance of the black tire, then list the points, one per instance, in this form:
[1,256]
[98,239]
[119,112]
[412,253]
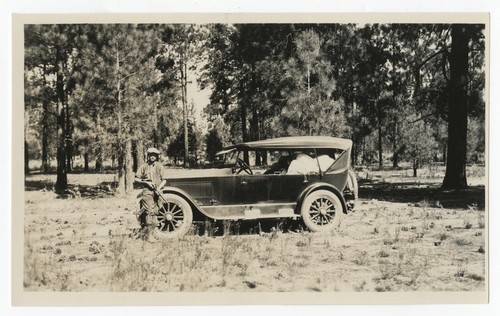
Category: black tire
[175,217]
[322,211]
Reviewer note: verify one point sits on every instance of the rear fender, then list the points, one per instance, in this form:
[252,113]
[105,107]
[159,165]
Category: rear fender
[320,186]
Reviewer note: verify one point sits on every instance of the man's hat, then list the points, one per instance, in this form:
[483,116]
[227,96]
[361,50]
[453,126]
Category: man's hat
[153,151]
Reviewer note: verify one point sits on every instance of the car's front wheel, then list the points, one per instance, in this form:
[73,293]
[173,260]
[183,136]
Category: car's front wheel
[174,218]
[322,211]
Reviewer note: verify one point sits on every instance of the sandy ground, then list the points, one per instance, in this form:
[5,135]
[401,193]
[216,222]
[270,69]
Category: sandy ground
[83,244]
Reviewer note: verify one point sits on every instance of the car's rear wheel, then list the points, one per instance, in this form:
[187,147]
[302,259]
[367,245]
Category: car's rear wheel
[322,211]
[174,218]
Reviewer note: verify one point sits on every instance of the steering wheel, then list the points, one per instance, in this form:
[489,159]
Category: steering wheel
[243,166]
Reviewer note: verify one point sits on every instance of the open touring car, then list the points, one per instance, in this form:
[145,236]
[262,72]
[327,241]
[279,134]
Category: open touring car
[306,177]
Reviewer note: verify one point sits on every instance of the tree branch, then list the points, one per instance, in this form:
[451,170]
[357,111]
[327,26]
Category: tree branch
[442,51]
[443,65]
[422,117]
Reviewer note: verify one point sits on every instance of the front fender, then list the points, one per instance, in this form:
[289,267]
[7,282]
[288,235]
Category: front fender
[198,212]
[320,186]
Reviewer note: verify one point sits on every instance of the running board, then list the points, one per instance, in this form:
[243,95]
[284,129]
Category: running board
[251,211]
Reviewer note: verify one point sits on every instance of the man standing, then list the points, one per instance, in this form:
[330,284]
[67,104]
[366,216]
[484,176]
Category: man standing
[154,176]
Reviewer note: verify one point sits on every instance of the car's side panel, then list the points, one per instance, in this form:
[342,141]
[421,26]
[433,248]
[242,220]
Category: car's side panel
[253,189]
[228,190]
[217,190]
[198,211]
[221,197]
[338,180]
[285,188]
[200,190]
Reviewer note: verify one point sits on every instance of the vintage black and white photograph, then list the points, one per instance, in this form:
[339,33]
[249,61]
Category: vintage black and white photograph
[239,156]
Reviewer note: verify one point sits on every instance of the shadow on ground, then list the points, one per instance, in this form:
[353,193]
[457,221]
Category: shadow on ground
[90,191]
[417,193]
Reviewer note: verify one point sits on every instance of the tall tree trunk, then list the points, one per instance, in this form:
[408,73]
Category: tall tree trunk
[26,158]
[184,110]
[380,157]
[69,136]
[44,167]
[393,99]
[455,177]
[129,172]
[379,142]
[62,175]
[45,137]
[395,153]
[69,156]
[134,156]
[254,131]
[363,149]
[355,153]
[98,160]
[354,150]
[244,134]
[254,122]
[262,154]
[86,162]
[243,117]
[26,149]
[121,188]
[140,152]
[445,151]
[156,140]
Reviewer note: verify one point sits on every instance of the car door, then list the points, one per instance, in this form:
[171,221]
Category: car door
[227,190]
[253,188]
[285,188]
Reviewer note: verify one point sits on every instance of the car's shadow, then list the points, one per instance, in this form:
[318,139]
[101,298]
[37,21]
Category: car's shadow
[419,193]
[263,227]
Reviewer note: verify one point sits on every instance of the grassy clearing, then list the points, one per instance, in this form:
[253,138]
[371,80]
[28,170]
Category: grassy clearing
[84,245]
[378,248]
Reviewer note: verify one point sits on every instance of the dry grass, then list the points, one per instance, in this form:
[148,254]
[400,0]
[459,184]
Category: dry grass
[84,245]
